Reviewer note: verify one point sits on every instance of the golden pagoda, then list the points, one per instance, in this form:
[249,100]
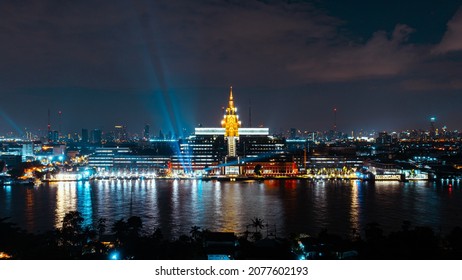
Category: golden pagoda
[231,124]
[230,120]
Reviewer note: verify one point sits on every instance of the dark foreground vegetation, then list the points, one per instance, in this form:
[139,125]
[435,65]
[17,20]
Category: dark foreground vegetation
[125,239]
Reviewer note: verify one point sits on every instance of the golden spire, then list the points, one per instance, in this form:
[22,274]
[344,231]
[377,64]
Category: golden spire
[230,120]
[231,99]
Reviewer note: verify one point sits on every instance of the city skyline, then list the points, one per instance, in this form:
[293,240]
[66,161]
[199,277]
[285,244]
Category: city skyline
[382,66]
[55,133]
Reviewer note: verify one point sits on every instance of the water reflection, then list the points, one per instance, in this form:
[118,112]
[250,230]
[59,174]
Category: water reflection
[66,200]
[230,208]
[84,202]
[7,191]
[285,205]
[320,205]
[355,207]
[30,205]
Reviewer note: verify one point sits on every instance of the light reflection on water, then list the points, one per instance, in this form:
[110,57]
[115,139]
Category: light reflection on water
[355,206]
[285,205]
[66,200]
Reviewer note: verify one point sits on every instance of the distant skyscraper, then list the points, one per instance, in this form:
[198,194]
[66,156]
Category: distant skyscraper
[383,139]
[293,133]
[50,136]
[96,136]
[55,136]
[120,133]
[432,127]
[146,132]
[84,135]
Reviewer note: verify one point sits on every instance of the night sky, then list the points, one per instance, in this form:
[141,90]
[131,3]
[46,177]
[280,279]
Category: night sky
[385,65]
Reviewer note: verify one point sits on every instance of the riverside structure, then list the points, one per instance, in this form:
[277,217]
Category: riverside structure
[232,152]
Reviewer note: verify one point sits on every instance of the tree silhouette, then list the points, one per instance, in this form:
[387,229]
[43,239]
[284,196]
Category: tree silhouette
[258,224]
[134,224]
[157,235]
[373,232]
[120,230]
[72,236]
[101,227]
[72,230]
[10,237]
[258,169]
[195,233]
[246,232]
[406,226]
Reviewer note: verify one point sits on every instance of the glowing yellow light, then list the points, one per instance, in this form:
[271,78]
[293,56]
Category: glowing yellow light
[230,121]
[4,256]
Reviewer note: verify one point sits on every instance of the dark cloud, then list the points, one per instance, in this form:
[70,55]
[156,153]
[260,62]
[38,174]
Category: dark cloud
[383,55]
[452,40]
[424,85]
[162,59]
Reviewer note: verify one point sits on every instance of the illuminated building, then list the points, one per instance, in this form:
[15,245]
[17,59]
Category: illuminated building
[299,149]
[120,133]
[51,153]
[333,162]
[231,125]
[199,152]
[232,149]
[383,139]
[55,136]
[206,149]
[27,151]
[116,158]
[433,129]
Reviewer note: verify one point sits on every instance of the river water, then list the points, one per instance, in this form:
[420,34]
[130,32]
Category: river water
[286,206]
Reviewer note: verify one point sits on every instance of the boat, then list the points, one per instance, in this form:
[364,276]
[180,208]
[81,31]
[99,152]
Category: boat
[5,181]
[25,182]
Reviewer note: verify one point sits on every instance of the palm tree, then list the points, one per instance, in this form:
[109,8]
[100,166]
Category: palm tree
[134,225]
[120,229]
[257,223]
[195,233]
[101,227]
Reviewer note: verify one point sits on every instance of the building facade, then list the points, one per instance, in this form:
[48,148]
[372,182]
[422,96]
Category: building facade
[231,150]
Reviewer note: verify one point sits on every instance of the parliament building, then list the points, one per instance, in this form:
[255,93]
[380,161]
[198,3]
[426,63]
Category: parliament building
[232,150]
